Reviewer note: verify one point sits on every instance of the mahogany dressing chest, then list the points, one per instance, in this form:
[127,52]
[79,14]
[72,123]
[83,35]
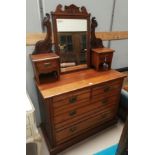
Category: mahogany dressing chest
[83,101]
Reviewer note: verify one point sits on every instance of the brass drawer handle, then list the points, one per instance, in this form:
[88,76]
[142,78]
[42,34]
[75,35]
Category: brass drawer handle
[104,102]
[73,129]
[72,113]
[73,99]
[47,64]
[106,88]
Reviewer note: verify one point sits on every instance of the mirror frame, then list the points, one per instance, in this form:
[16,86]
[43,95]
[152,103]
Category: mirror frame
[71,12]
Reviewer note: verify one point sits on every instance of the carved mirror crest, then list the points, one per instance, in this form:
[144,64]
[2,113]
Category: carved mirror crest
[71,27]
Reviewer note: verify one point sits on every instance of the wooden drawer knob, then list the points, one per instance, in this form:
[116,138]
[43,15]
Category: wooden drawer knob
[106,88]
[104,102]
[46,64]
[72,129]
[72,113]
[104,116]
[73,99]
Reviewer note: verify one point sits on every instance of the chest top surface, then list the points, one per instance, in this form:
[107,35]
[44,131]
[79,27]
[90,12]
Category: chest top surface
[77,80]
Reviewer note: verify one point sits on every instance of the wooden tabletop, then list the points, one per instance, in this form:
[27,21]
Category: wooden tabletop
[77,80]
[103,50]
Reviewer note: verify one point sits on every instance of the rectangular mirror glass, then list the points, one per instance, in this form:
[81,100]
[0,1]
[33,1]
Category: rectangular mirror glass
[72,42]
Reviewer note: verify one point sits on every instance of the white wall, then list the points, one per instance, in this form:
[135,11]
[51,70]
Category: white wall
[33,23]
[120,23]
[101,9]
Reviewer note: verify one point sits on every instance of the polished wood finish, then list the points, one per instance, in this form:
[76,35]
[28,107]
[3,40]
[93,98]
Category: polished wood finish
[46,64]
[95,42]
[78,80]
[81,103]
[71,12]
[98,58]
[78,105]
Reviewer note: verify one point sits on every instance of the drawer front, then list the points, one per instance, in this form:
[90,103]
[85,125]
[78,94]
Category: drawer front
[107,88]
[74,115]
[102,95]
[71,103]
[46,66]
[75,130]
[108,57]
[71,97]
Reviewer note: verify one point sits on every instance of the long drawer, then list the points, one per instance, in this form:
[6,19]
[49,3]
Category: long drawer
[75,130]
[79,113]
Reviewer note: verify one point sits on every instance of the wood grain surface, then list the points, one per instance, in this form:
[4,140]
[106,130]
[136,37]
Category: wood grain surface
[77,80]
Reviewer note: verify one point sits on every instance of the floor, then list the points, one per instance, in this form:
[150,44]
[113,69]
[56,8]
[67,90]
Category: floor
[92,144]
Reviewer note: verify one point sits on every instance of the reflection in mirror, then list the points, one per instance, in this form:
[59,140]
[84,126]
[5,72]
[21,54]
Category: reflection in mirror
[72,48]
[72,41]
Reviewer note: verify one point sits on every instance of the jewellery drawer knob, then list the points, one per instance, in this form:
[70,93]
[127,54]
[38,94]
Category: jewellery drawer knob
[72,113]
[73,99]
[73,129]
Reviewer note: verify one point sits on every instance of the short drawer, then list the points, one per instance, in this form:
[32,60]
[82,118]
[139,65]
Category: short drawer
[107,87]
[76,114]
[101,96]
[75,130]
[71,97]
[108,57]
[46,65]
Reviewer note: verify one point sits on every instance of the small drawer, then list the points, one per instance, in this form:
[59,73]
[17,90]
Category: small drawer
[77,129]
[107,56]
[69,106]
[71,97]
[107,87]
[72,102]
[46,65]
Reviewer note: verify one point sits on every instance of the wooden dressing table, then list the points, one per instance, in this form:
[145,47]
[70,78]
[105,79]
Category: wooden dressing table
[82,102]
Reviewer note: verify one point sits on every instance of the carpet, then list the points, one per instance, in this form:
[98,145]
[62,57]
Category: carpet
[108,151]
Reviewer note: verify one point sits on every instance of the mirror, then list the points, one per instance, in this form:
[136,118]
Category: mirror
[71,36]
